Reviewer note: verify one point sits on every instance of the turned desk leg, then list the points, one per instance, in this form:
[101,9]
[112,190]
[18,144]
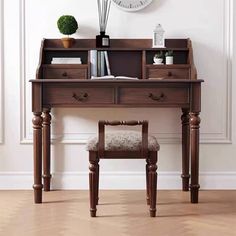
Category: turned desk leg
[185,149]
[37,139]
[46,149]
[194,186]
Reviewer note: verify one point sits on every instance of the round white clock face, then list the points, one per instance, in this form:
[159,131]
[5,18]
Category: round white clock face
[131,5]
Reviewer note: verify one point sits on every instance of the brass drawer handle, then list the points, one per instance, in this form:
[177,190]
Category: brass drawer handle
[159,98]
[80,98]
[64,74]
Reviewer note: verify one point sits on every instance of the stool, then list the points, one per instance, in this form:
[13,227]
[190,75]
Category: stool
[123,145]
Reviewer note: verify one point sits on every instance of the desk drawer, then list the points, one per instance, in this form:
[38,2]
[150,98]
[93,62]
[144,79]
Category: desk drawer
[140,96]
[74,95]
[65,73]
[168,73]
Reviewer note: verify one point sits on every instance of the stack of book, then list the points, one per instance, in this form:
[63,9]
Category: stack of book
[66,60]
[100,65]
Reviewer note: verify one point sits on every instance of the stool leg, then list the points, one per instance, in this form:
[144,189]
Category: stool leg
[152,174]
[147,183]
[97,182]
[93,184]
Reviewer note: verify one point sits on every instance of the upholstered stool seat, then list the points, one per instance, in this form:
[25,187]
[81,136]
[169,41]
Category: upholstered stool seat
[123,145]
[123,141]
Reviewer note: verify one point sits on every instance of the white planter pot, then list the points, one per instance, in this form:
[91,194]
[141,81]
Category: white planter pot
[158,61]
[169,60]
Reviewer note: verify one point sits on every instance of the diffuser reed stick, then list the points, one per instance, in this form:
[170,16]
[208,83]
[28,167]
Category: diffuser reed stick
[103,13]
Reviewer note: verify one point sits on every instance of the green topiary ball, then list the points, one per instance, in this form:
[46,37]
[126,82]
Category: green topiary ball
[67,24]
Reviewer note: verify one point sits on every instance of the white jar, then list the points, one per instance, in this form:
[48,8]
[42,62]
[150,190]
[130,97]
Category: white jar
[169,60]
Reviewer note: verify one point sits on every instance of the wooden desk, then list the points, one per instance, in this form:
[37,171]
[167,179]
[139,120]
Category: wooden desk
[178,88]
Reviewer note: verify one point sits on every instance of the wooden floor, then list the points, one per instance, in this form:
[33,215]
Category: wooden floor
[120,213]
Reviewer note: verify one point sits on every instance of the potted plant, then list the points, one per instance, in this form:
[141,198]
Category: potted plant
[158,58]
[169,58]
[67,25]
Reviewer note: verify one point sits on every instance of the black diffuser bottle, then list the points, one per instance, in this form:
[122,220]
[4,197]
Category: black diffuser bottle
[103,40]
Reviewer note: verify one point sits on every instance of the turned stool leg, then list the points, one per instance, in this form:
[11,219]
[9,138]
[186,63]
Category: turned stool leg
[152,174]
[147,183]
[93,167]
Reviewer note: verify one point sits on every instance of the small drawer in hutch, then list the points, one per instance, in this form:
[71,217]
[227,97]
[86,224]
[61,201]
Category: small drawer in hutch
[168,73]
[65,72]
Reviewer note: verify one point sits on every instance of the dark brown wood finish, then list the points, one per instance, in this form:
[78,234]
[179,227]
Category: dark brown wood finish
[185,149]
[152,179]
[182,91]
[46,149]
[37,139]
[194,143]
[65,73]
[168,73]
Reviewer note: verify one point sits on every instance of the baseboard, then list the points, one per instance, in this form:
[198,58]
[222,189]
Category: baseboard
[118,180]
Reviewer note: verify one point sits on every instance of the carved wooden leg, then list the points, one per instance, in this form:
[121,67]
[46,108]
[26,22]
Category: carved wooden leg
[37,139]
[152,174]
[185,149]
[93,183]
[46,149]
[195,125]
[97,183]
[147,182]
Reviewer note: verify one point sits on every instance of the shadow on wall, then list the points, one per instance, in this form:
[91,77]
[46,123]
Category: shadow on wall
[86,31]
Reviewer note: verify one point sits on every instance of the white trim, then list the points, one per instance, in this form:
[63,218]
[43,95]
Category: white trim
[1,71]
[118,180]
[222,137]
[22,72]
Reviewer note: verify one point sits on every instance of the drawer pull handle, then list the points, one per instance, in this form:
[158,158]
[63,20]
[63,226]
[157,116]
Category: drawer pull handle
[159,98]
[64,74]
[169,74]
[80,98]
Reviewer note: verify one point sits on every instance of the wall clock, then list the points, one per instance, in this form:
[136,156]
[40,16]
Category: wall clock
[131,5]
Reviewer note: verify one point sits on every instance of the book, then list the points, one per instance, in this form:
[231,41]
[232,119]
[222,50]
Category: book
[107,63]
[102,60]
[93,62]
[66,60]
[112,77]
[98,63]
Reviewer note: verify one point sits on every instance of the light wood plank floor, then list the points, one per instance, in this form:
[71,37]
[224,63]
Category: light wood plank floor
[120,213]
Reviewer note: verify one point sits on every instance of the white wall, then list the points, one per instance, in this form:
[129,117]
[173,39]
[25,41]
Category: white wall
[209,23]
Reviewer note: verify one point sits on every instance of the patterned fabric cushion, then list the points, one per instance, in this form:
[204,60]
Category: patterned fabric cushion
[123,141]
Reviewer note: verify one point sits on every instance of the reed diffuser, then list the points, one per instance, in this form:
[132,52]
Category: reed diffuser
[103,40]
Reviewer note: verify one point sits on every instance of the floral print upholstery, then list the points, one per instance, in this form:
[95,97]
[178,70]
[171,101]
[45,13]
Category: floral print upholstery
[123,141]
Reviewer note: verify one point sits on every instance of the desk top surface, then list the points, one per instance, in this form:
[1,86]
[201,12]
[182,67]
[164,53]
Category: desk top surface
[116,81]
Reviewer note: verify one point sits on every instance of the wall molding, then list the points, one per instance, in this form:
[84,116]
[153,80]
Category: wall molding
[1,71]
[118,180]
[221,137]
